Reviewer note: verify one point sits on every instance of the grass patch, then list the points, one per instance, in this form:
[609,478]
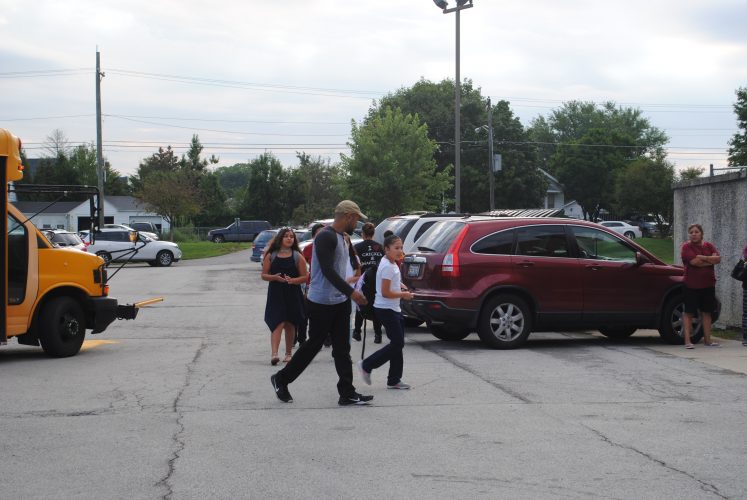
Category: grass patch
[661,247]
[729,333]
[202,249]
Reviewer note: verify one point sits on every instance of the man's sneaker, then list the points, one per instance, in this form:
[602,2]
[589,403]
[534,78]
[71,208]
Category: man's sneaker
[357,336]
[281,390]
[744,343]
[398,385]
[355,399]
[365,376]
[377,339]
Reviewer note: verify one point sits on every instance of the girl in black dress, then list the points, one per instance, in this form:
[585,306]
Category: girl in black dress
[284,267]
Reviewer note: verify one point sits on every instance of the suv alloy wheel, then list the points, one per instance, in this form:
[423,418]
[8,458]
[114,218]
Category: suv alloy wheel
[505,322]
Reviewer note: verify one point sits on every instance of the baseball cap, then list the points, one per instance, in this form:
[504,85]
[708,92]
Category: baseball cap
[349,207]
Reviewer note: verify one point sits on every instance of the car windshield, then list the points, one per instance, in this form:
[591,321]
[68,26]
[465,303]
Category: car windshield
[440,236]
[66,239]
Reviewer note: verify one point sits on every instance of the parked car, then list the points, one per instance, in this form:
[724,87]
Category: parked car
[651,224]
[125,227]
[116,244]
[411,226]
[354,239]
[148,228]
[621,227]
[507,277]
[62,238]
[260,242]
[245,230]
[327,222]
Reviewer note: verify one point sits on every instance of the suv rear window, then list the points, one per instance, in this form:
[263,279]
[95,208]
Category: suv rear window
[440,236]
[500,243]
[400,227]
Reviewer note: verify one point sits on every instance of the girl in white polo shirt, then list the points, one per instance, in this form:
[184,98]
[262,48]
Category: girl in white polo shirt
[389,291]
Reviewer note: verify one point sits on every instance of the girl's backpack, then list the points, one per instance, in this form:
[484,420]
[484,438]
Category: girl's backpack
[368,289]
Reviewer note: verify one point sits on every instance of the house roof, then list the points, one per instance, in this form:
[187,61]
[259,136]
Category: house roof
[59,207]
[126,203]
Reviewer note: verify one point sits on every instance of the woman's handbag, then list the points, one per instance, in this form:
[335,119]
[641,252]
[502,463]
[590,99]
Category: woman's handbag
[739,272]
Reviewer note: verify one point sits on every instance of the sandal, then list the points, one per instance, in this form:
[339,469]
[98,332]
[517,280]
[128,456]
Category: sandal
[287,357]
[275,360]
[689,346]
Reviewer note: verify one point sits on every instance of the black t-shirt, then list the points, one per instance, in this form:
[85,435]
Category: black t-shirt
[370,253]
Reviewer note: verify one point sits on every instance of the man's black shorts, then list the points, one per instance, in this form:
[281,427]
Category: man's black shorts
[700,299]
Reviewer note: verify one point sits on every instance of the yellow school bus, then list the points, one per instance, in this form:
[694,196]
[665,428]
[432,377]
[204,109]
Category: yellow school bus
[51,296]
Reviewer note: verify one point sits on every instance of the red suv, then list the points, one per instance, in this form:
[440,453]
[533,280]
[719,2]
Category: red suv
[507,277]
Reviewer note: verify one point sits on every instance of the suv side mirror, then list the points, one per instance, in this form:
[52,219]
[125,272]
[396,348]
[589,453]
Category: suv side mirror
[641,259]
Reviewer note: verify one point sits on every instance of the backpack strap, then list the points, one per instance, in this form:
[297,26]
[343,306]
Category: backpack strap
[295,254]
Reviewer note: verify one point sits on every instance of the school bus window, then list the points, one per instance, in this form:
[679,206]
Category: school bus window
[17,261]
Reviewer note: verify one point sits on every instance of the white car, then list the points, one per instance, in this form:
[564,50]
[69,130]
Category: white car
[623,228]
[112,244]
[150,235]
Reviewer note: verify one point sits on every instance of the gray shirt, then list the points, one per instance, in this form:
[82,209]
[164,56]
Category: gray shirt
[328,261]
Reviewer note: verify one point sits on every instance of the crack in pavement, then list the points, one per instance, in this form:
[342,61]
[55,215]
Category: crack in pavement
[179,443]
[707,487]
[473,372]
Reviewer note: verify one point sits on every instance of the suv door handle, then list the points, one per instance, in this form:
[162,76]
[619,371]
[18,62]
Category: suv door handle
[526,264]
[594,267]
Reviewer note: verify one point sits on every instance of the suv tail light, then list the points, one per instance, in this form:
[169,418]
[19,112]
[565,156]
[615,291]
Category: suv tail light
[450,264]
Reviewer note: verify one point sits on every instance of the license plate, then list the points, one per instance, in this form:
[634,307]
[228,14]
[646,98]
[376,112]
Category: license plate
[413,271]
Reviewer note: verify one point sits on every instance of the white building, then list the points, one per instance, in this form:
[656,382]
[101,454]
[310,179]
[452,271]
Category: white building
[555,198]
[75,215]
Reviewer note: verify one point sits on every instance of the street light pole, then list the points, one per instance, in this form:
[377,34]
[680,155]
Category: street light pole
[461,4]
[491,174]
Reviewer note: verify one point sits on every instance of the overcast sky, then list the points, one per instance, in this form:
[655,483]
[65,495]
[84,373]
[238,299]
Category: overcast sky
[285,76]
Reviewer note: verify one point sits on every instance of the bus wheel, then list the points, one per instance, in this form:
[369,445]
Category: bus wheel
[62,327]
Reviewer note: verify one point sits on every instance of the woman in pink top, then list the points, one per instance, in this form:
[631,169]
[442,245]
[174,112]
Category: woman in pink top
[699,257]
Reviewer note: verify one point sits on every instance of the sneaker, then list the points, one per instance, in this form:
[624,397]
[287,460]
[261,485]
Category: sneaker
[357,336]
[689,346]
[398,385]
[355,399]
[377,339]
[281,390]
[327,341]
[744,343]
[365,376]
[713,344]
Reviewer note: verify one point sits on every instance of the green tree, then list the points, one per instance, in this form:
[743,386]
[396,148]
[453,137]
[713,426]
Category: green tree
[314,188]
[212,201]
[691,173]
[738,143]
[265,196]
[587,168]
[165,160]
[391,167]
[519,185]
[83,161]
[170,195]
[645,186]
[576,119]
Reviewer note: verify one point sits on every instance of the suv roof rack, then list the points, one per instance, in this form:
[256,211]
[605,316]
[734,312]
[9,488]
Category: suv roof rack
[526,212]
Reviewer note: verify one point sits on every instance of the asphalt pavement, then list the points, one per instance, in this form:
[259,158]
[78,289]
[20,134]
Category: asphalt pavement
[178,404]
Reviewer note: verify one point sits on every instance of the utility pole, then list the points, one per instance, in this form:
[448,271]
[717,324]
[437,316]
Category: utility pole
[99,154]
[491,173]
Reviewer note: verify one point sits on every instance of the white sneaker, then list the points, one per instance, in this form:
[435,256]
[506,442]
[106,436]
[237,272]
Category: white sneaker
[365,376]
